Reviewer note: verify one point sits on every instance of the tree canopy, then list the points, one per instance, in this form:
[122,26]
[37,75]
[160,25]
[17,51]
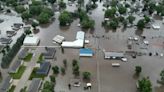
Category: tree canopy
[65,18]
[145,85]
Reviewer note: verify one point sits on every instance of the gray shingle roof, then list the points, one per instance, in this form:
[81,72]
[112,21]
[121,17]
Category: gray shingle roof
[44,68]
[23,53]
[50,53]
[6,84]
[15,66]
[35,85]
[113,54]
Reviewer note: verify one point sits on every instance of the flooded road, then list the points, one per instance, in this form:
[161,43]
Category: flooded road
[112,79]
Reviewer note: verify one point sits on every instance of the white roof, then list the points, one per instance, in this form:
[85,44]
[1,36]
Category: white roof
[58,39]
[31,40]
[76,43]
[80,35]
[156,26]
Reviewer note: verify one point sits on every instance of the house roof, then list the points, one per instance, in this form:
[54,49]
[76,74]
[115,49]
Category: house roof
[44,68]
[15,66]
[22,54]
[31,40]
[114,54]
[80,35]
[6,84]
[35,84]
[5,40]
[50,53]
[86,52]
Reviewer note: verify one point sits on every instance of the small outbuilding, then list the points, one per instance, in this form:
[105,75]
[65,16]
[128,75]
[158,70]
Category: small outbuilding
[5,40]
[86,52]
[31,41]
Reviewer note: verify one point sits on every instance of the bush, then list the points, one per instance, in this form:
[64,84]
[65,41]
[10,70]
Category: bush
[55,69]
[53,78]
[62,70]
[86,75]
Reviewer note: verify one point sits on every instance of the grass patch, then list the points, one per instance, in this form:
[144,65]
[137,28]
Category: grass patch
[40,58]
[12,88]
[19,73]
[28,57]
[34,75]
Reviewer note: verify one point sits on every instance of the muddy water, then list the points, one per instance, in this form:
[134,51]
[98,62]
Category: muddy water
[115,80]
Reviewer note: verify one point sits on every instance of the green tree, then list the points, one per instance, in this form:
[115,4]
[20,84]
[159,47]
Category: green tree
[122,10]
[62,69]
[51,1]
[86,75]
[80,2]
[53,78]
[138,70]
[48,86]
[74,62]
[65,63]
[35,9]
[113,24]
[141,24]
[26,15]
[20,9]
[65,18]
[55,69]
[162,76]
[76,71]
[131,19]
[147,19]
[62,4]
[3,52]
[110,12]
[145,85]
[43,18]
[7,48]
[87,23]
[34,25]
[27,32]
[159,9]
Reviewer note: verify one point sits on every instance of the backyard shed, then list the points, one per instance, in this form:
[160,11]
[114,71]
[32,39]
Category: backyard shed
[86,52]
[31,41]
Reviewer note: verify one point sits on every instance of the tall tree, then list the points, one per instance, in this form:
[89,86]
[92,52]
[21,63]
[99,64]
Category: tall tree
[145,85]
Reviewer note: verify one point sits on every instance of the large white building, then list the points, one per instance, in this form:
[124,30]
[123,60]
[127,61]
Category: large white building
[31,41]
[78,43]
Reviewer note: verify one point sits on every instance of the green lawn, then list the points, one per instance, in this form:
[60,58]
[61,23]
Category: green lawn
[28,57]
[34,75]
[40,58]
[19,73]
[12,88]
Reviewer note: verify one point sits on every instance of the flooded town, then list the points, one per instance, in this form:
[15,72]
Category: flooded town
[82,45]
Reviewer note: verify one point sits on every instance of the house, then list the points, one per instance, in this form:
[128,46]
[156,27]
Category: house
[44,68]
[6,84]
[15,67]
[50,53]
[35,85]
[78,43]
[113,55]
[23,53]
[10,33]
[86,52]
[31,41]
[5,40]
